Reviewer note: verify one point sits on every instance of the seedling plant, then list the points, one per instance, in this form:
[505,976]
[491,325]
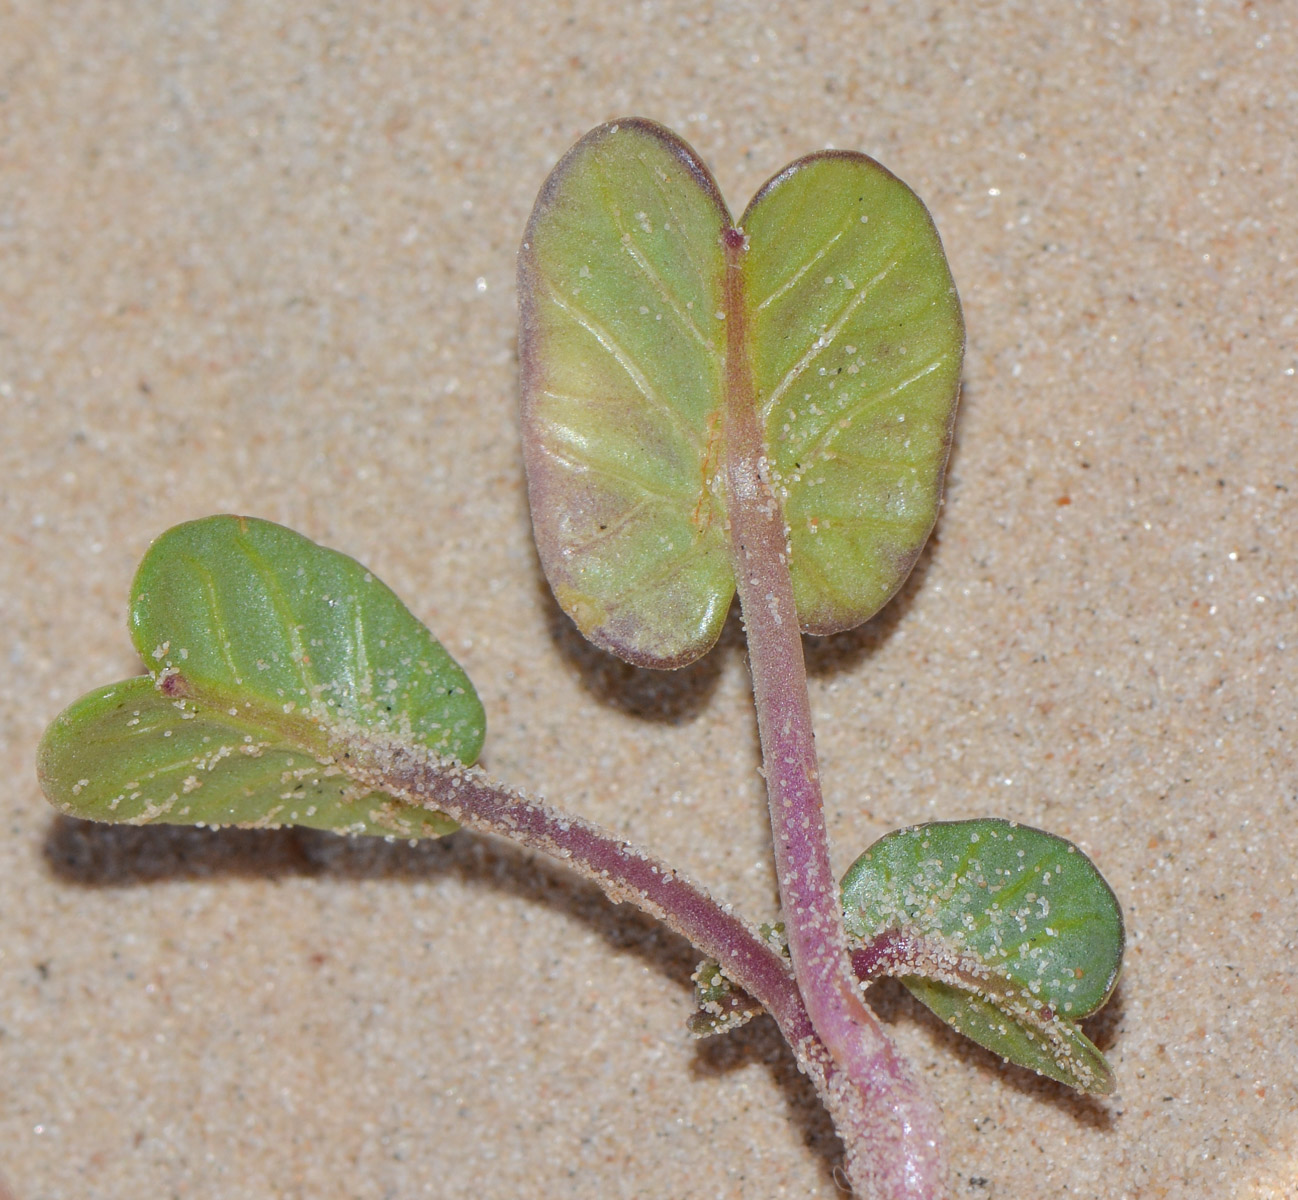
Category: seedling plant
[709,407]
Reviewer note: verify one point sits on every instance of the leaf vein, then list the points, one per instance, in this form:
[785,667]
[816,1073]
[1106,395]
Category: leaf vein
[806,266]
[637,256]
[614,528]
[810,564]
[571,458]
[869,401]
[673,567]
[655,279]
[825,340]
[625,361]
[208,580]
[661,188]
[285,613]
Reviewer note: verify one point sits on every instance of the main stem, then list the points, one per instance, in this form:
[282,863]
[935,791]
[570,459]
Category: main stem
[905,1159]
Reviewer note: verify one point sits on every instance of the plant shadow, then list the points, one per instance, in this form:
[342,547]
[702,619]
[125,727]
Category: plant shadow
[669,697]
[839,653]
[92,855]
[760,1042]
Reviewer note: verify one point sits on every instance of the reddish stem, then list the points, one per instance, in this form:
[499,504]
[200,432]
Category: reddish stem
[889,953]
[904,1157]
[877,1121]
[628,874]
[620,868]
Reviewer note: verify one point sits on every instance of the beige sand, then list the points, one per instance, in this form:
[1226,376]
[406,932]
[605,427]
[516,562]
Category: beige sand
[259,257]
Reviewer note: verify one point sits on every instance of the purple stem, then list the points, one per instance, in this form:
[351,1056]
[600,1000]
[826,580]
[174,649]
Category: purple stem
[628,874]
[893,953]
[625,873]
[889,953]
[904,1154]
[621,869]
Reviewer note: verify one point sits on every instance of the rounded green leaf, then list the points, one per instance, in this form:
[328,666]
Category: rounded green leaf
[622,334]
[1027,903]
[856,340]
[1030,912]
[238,609]
[128,753]
[720,1005]
[273,660]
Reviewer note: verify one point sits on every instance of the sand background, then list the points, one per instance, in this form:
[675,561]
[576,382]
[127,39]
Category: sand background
[260,258]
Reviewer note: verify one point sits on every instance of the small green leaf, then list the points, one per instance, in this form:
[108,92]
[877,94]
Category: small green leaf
[856,340]
[1027,937]
[127,753]
[238,607]
[1016,1028]
[722,1006]
[271,658]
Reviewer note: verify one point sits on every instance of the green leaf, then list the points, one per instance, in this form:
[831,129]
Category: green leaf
[853,329]
[273,658]
[856,340]
[127,753]
[721,1005]
[1022,936]
[620,287]
[1017,1029]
